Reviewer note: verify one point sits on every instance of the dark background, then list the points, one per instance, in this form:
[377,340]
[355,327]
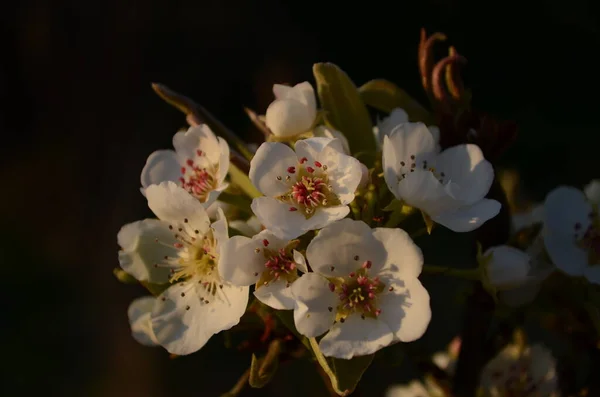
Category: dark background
[78,119]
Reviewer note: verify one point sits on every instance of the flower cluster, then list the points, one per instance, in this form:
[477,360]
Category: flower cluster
[315,227]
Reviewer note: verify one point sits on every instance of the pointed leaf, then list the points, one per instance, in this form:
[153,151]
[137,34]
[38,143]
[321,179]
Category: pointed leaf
[124,277]
[385,96]
[343,374]
[196,114]
[344,109]
[155,289]
[429,223]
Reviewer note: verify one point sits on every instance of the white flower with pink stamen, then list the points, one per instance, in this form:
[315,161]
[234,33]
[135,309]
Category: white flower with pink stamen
[450,187]
[304,189]
[267,261]
[199,164]
[364,291]
[523,371]
[182,247]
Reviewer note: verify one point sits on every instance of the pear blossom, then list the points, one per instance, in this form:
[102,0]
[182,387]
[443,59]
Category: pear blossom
[363,292]
[448,187]
[267,261]
[305,189]
[528,371]
[571,230]
[182,247]
[139,312]
[505,267]
[322,131]
[396,117]
[199,164]
[294,110]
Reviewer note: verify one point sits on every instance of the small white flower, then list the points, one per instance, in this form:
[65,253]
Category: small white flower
[322,131]
[293,111]
[182,247]
[449,187]
[506,267]
[199,164]
[364,292]
[306,189]
[396,117]
[572,230]
[517,371]
[267,261]
[139,312]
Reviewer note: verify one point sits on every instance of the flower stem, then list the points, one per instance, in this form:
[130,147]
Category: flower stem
[468,274]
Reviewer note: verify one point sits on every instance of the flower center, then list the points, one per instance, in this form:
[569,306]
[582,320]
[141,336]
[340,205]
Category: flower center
[198,180]
[279,264]
[358,293]
[590,241]
[517,381]
[309,188]
[412,163]
[196,258]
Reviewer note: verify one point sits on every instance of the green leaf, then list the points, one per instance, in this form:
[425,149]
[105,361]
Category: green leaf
[196,114]
[155,289]
[344,109]
[239,201]
[243,181]
[394,205]
[344,374]
[385,96]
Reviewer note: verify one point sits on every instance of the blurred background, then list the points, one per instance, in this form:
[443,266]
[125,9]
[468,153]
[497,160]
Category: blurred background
[78,119]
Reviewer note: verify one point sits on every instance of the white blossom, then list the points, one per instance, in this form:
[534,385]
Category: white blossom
[322,131]
[267,261]
[199,164]
[364,293]
[182,247]
[572,230]
[305,189]
[449,187]
[528,371]
[506,267]
[293,111]
[139,312]
[396,117]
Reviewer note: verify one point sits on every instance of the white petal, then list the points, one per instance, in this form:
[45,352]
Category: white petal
[406,140]
[300,262]
[339,244]
[139,320]
[276,294]
[281,91]
[239,263]
[312,147]
[313,300]
[422,190]
[325,216]
[469,218]
[386,126]
[220,230]
[302,92]
[406,310]
[172,203]
[592,191]
[509,267]
[277,217]
[364,178]
[435,133]
[326,132]
[196,138]
[213,195]
[140,252]
[356,337]
[272,160]
[564,252]
[223,160]
[161,165]
[465,166]
[564,208]
[413,389]
[183,325]
[592,273]
[404,258]
[289,117]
